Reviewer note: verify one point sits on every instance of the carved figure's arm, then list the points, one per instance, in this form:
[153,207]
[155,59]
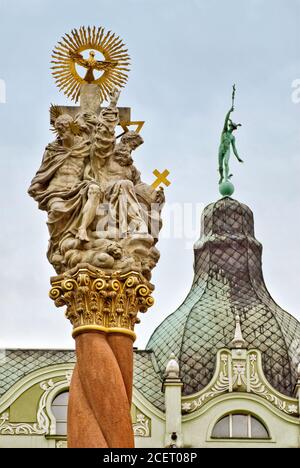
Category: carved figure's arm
[105,140]
[225,128]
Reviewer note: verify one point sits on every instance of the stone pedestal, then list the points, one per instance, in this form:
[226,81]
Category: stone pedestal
[103,311]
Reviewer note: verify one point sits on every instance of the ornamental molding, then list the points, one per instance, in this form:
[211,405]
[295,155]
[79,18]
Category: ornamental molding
[31,379]
[219,384]
[45,419]
[61,444]
[145,406]
[46,423]
[142,426]
[240,370]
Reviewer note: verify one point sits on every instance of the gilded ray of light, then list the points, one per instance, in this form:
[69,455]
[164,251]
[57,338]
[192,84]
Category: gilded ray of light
[67,56]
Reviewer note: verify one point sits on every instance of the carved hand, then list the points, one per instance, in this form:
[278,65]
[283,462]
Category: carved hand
[114,97]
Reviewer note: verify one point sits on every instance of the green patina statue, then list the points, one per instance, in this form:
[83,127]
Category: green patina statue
[227,140]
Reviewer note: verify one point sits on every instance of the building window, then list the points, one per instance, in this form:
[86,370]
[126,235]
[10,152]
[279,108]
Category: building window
[60,410]
[239,426]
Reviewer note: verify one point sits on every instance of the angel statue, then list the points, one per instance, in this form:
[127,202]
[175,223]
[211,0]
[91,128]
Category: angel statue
[227,141]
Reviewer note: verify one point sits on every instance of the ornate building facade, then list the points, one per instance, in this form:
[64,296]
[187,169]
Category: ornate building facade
[221,371]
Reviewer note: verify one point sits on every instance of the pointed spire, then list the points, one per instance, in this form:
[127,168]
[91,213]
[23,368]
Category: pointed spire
[172,368]
[238,340]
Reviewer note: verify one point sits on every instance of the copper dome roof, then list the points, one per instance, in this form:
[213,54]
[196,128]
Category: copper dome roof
[228,280]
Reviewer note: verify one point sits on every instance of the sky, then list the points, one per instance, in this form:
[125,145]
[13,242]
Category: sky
[185,57]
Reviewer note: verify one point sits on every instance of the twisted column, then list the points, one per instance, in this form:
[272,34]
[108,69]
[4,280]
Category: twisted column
[103,311]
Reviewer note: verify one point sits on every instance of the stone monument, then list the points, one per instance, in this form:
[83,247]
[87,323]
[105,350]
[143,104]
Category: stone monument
[103,224]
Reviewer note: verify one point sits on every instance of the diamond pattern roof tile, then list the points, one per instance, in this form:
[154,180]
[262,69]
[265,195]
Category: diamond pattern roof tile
[17,363]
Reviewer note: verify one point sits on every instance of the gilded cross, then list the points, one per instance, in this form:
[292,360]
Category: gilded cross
[161,178]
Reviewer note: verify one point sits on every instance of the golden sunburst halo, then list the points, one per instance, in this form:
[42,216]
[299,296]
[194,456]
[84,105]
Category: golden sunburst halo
[67,54]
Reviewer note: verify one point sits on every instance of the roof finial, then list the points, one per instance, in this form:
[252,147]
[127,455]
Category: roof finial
[226,187]
[172,368]
[238,340]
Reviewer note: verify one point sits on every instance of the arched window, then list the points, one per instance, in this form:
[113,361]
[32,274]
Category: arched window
[239,426]
[60,410]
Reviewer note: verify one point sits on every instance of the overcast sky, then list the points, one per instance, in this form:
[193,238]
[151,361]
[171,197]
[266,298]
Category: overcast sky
[185,56]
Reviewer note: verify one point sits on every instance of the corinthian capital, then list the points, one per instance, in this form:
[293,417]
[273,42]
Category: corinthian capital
[97,301]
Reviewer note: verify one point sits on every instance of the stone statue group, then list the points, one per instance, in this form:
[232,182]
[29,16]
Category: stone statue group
[99,210]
